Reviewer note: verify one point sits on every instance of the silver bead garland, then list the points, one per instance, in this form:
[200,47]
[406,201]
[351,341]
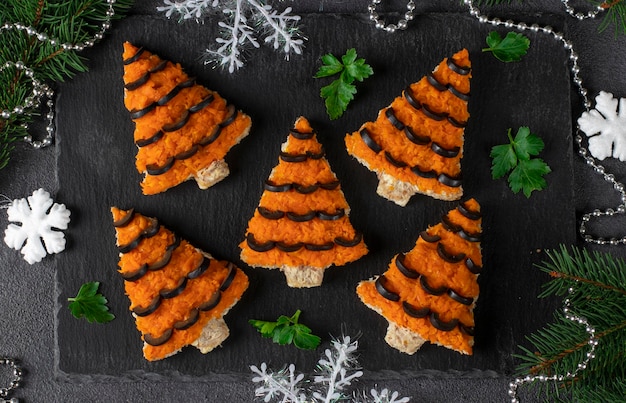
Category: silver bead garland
[40,90]
[575,70]
[15,383]
[380,24]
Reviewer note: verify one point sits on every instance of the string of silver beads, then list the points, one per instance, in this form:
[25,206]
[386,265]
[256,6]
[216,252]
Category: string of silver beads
[15,383]
[400,25]
[42,90]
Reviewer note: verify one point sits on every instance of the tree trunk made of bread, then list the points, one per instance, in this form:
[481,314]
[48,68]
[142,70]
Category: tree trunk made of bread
[178,294]
[416,143]
[182,129]
[429,293]
[301,225]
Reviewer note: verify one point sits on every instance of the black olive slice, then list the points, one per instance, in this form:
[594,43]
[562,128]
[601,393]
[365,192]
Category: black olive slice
[461,95]
[157,341]
[232,272]
[456,123]
[459,298]
[393,119]
[467,213]
[292,157]
[285,247]
[443,253]
[159,264]
[172,127]
[300,135]
[133,85]
[272,187]
[316,156]
[124,221]
[183,155]
[301,217]
[139,311]
[331,216]
[468,330]
[215,299]
[158,67]
[202,104]
[416,138]
[174,244]
[415,312]
[175,91]
[369,141]
[450,181]
[130,246]
[194,315]
[449,225]
[445,152]
[348,243]
[138,113]
[435,83]
[432,291]
[201,268]
[409,273]
[473,267]
[270,214]
[432,114]
[215,133]
[176,291]
[153,169]
[424,174]
[408,95]
[319,248]
[231,115]
[452,65]
[152,230]
[441,325]
[393,161]
[305,189]
[137,274]
[330,185]
[152,139]
[259,247]
[429,238]
[134,57]
[381,287]
[469,236]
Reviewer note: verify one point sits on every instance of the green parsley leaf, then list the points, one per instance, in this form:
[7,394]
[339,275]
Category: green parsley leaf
[510,49]
[90,305]
[338,94]
[515,159]
[287,330]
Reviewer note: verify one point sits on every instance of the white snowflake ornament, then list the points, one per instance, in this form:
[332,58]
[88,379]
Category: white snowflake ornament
[41,219]
[606,127]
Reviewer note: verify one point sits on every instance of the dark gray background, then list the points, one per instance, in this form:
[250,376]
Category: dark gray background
[28,293]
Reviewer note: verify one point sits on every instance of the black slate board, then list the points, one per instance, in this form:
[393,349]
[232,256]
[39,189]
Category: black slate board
[96,170]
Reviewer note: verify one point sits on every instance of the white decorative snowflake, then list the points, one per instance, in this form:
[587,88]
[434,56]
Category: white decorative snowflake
[40,217]
[606,127]
[336,370]
[247,23]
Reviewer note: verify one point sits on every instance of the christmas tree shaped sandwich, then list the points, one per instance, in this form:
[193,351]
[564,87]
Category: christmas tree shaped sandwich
[416,143]
[429,293]
[301,225]
[178,294]
[182,129]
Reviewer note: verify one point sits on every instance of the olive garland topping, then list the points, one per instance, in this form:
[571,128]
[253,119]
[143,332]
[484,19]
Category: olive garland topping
[215,299]
[394,162]
[424,174]
[153,139]
[467,213]
[369,141]
[469,237]
[449,180]
[137,274]
[429,238]
[201,268]
[158,265]
[408,95]
[416,138]
[420,313]
[272,187]
[154,169]
[300,135]
[432,114]
[301,217]
[138,113]
[172,127]
[144,79]
[157,341]
[439,86]
[445,152]
[473,267]
[174,292]
[461,70]
[152,306]
[443,253]
[409,273]
[410,98]
[124,221]
[301,157]
[391,116]
[134,57]
[441,325]
[228,280]
[285,247]
[448,225]
[149,232]
[430,290]
[270,214]
[194,315]
[459,298]
[415,312]
[381,287]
